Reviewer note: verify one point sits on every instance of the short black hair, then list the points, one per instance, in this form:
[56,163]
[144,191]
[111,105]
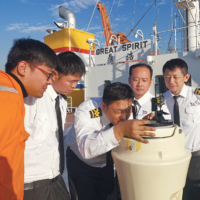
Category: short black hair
[30,50]
[117,91]
[140,65]
[174,63]
[70,63]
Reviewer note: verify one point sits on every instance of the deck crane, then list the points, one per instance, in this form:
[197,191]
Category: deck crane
[108,32]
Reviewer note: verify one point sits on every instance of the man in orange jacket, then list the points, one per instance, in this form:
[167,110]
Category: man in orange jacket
[29,69]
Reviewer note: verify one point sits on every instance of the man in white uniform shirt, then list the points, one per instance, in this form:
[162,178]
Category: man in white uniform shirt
[99,125]
[44,121]
[140,80]
[183,103]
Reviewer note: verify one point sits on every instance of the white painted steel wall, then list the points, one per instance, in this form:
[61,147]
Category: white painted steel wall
[96,76]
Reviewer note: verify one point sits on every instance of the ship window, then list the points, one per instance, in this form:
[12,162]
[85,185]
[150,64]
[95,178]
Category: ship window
[106,83]
[160,86]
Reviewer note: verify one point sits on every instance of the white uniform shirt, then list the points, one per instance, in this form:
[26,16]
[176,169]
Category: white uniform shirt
[143,106]
[189,110]
[42,156]
[90,138]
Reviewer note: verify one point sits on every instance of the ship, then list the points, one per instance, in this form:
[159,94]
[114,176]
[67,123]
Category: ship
[109,64]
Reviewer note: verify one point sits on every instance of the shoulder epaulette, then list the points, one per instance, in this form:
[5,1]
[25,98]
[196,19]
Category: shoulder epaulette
[95,113]
[65,98]
[197,91]
[159,102]
[160,97]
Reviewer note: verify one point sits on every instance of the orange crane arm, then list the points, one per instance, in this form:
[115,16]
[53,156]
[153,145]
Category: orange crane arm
[122,38]
[105,22]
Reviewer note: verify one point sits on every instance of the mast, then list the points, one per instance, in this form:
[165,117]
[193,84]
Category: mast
[193,31]
[192,16]
[155,34]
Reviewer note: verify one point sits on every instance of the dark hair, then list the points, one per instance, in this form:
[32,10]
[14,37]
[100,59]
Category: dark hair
[117,91]
[174,63]
[140,65]
[32,51]
[70,63]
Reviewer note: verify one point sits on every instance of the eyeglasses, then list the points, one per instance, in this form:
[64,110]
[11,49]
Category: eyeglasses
[49,75]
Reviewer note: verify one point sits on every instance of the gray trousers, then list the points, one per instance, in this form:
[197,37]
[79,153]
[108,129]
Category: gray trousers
[56,190]
[192,187]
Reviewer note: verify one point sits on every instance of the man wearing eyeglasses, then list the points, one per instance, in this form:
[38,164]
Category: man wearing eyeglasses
[20,80]
[99,125]
[44,120]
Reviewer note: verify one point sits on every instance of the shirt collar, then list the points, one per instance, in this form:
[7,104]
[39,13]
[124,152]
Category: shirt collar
[142,100]
[24,92]
[52,93]
[104,119]
[183,92]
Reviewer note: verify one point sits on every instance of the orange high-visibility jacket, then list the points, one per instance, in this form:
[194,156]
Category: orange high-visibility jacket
[12,139]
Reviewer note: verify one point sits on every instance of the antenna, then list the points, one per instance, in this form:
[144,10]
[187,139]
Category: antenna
[155,13]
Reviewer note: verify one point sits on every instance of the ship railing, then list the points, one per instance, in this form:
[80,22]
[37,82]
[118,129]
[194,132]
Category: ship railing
[173,43]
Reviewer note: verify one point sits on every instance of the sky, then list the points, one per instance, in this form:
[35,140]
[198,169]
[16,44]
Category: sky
[31,18]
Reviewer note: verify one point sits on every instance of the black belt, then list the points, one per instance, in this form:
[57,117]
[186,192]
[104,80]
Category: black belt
[39,184]
[196,153]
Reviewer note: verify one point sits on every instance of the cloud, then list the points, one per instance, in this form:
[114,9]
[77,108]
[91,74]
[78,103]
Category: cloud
[161,2]
[147,4]
[17,26]
[121,3]
[103,44]
[114,25]
[98,34]
[96,27]
[25,28]
[36,29]
[24,1]
[54,10]
[75,6]
[123,18]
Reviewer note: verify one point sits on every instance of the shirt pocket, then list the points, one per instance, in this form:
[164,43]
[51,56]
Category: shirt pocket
[39,129]
[43,123]
[194,112]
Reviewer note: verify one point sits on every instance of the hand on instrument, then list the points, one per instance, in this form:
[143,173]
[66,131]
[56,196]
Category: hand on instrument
[149,116]
[134,129]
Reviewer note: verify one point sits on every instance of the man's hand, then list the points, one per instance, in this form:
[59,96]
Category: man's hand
[149,116]
[133,129]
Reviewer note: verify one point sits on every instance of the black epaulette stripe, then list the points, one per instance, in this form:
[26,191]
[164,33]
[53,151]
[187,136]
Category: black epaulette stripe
[197,91]
[97,112]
